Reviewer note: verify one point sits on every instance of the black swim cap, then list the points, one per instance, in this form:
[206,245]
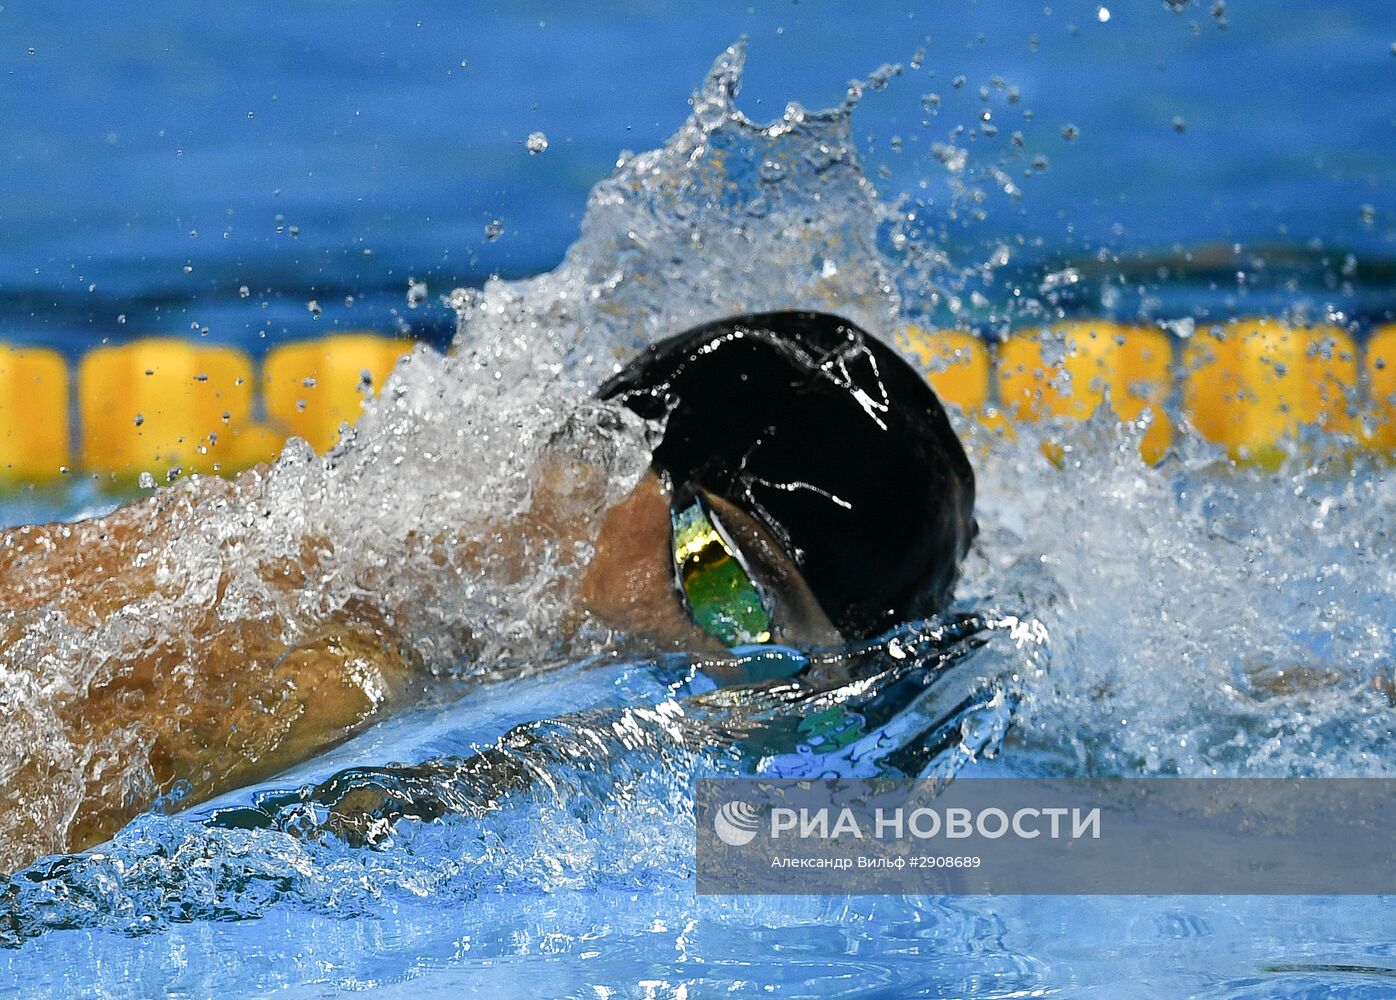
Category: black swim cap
[828,438]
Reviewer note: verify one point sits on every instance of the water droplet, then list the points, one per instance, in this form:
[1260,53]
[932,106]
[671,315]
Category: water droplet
[244,292]
[140,419]
[314,307]
[958,82]
[931,102]
[416,293]
[536,143]
[1368,214]
[121,319]
[1179,125]
[188,268]
[1070,132]
[1102,14]
[31,51]
[494,230]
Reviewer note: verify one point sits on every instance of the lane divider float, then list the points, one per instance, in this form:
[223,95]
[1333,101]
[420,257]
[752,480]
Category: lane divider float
[35,434]
[167,406]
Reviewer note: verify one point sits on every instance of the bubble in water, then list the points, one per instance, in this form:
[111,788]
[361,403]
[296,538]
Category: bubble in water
[244,291]
[1179,125]
[313,307]
[494,230]
[147,481]
[1102,14]
[140,419]
[1368,214]
[416,293]
[1070,132]
[536,143]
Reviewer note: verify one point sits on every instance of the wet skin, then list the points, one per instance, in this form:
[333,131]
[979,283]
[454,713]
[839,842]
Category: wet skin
[233,704]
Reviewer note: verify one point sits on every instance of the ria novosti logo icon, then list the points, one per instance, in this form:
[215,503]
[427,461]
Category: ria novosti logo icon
[735,823]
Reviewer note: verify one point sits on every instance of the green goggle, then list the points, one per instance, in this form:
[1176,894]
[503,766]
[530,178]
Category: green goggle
[716,585]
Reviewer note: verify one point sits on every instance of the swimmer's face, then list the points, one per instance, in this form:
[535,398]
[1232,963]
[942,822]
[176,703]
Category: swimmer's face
[630,583]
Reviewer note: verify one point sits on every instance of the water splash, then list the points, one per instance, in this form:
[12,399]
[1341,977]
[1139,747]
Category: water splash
[595,798]
[728,216]
[1208,619]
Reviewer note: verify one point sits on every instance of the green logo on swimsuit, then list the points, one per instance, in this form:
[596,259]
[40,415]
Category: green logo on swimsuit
[721,596]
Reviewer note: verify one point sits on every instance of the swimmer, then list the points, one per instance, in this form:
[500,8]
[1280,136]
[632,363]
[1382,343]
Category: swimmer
[807,490]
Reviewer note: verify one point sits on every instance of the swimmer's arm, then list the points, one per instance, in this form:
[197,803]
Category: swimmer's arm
[219,701]
[219,698]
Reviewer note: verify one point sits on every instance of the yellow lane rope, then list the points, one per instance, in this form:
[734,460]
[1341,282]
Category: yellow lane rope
[168,406]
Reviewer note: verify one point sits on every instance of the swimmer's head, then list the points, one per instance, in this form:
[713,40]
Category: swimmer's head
[827,440]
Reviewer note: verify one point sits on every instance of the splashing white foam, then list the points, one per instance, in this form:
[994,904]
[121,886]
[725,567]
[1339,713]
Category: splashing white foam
[1207,620]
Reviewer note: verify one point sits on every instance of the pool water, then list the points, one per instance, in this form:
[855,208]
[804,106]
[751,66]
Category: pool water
[1191,617]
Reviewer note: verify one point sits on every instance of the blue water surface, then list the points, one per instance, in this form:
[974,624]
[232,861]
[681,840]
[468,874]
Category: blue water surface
[159,157]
